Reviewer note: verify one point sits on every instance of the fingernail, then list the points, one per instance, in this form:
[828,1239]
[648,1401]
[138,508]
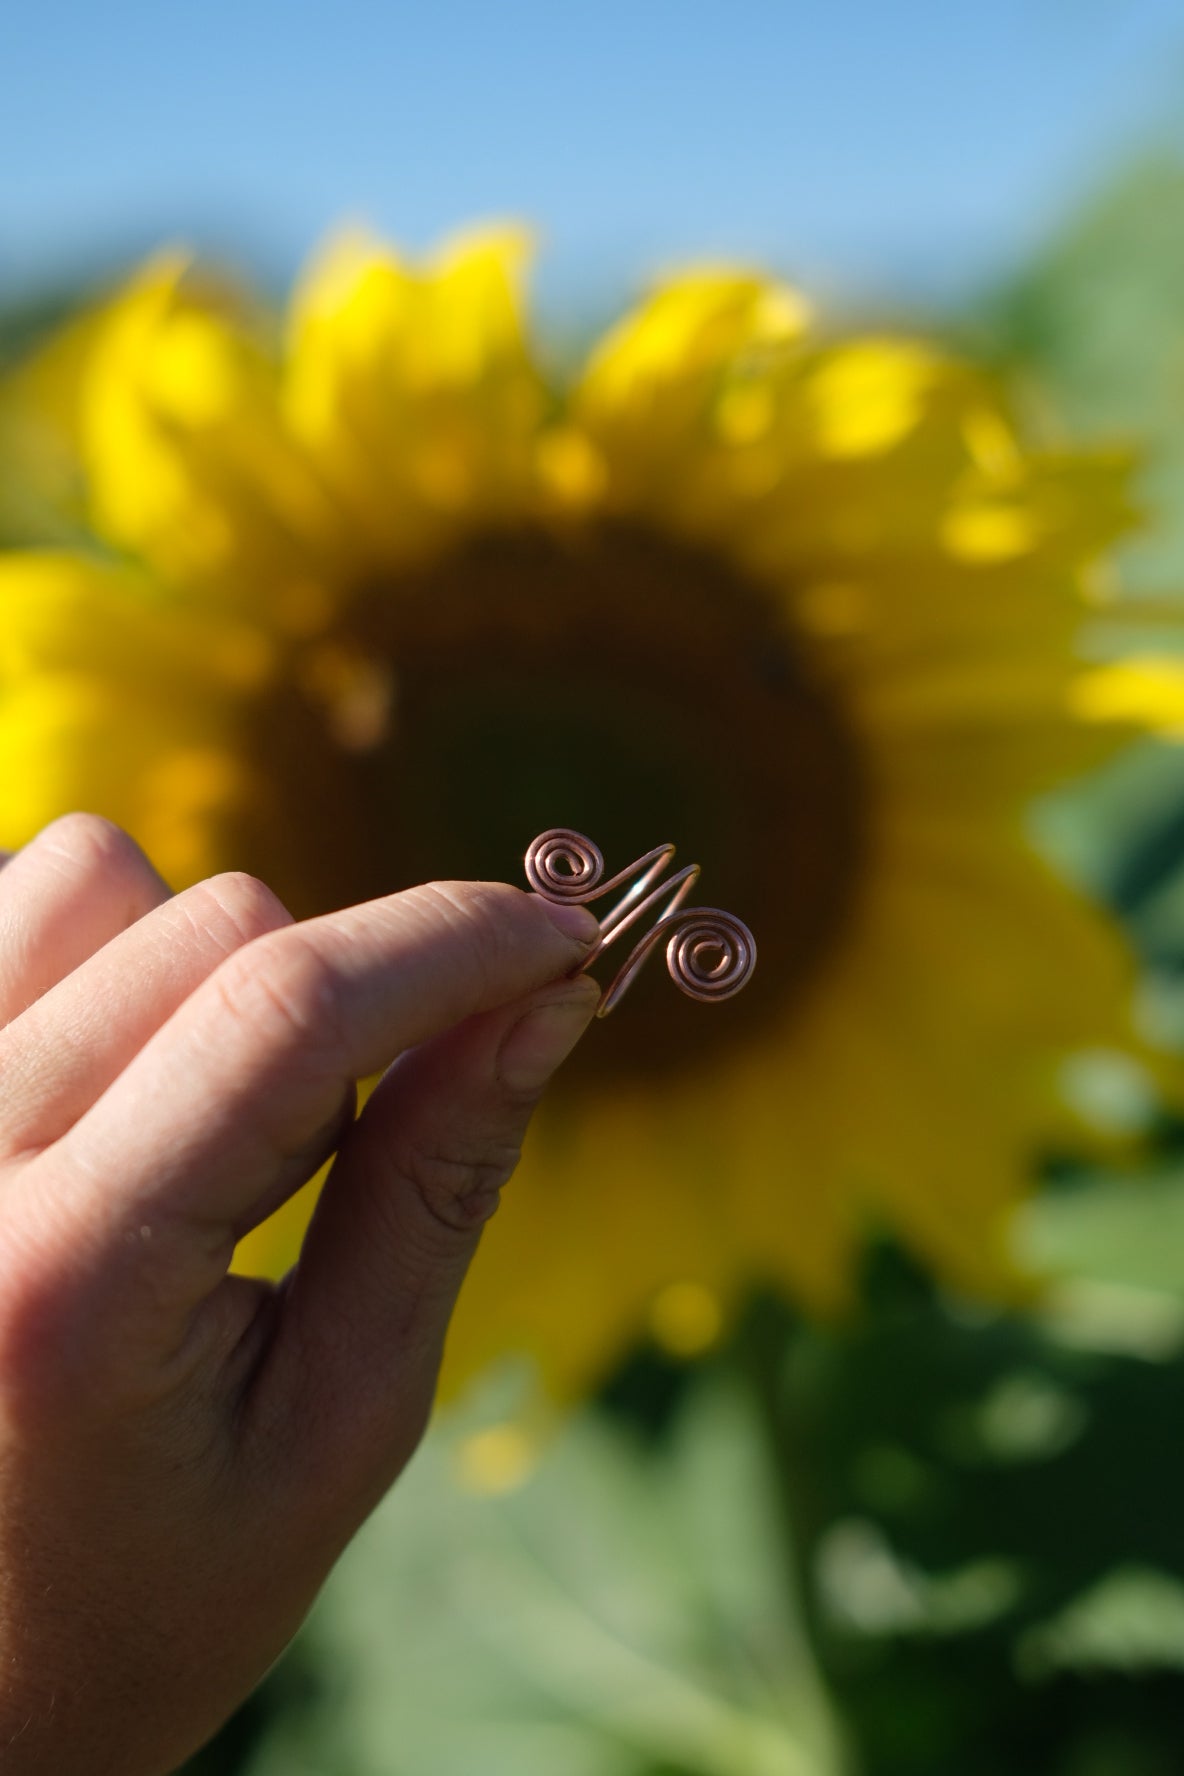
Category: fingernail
[574,921]
[545,1037]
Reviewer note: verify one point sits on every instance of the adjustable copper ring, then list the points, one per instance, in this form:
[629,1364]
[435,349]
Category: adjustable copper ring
[710,954]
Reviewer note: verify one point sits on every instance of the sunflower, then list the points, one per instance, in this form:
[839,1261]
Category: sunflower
[380,600]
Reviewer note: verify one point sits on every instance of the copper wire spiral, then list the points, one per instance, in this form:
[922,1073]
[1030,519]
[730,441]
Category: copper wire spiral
[710,954]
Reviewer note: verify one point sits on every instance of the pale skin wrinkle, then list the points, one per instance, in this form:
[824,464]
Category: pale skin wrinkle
[183,1452]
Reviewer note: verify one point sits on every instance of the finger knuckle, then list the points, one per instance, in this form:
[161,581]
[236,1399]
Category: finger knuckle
[480,915]
[234,908]
[459,1188]
[93,845]
[282,991]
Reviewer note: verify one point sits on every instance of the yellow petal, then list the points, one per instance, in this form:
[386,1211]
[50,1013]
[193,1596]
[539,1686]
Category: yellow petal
[1147,692]
[870,395]
[414,388]
[110,702]
[189,462]
[658,383]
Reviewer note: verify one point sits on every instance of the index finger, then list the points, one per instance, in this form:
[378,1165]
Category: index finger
[220,1114]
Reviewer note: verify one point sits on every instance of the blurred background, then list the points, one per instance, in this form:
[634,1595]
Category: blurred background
[930,1535]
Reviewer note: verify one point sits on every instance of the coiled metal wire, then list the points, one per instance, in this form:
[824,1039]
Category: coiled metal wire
[710,954]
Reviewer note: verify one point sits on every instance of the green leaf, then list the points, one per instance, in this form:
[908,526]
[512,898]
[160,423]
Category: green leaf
[623,1612]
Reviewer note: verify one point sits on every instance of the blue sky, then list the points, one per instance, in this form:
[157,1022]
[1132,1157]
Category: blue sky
[867,146]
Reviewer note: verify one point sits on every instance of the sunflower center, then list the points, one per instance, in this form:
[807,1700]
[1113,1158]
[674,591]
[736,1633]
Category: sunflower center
[610,681]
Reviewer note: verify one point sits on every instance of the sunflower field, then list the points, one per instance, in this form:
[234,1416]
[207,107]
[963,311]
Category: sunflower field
[815,1406]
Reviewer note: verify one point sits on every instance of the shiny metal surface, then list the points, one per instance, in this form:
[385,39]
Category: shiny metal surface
[710,954]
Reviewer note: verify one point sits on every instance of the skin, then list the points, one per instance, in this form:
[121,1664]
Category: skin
[184,1453]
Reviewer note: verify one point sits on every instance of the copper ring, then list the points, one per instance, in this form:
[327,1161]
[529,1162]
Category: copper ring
[710,954]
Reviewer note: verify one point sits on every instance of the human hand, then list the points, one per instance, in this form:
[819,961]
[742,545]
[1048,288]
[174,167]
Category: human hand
[184,1453]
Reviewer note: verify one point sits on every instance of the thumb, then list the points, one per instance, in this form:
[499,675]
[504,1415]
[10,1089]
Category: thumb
[399,1219]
